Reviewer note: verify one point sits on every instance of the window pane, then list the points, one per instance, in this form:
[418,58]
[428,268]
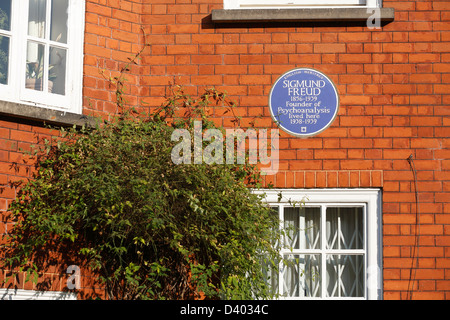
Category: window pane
[302,226]
[58,27]
[270,273]
[57,70]
[275,240]
[345,228]
[35,66]
[4,59]
[36,18]
[301,276]
[5,15]
[345,275]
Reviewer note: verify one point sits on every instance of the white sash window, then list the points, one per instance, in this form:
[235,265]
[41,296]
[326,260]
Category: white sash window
[331,246]
[41,52]
[275,4]
[20,294]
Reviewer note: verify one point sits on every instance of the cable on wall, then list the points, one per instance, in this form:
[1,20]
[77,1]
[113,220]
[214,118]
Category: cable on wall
[412,272]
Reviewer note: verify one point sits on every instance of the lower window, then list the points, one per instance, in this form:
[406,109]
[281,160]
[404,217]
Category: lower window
[331,244]
[19,294]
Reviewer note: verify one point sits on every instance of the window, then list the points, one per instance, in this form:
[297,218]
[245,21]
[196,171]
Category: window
[331,246]
[41,52]
[19,294]
[253,4]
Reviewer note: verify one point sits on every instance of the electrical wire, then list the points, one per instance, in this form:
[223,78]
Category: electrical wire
[412,277]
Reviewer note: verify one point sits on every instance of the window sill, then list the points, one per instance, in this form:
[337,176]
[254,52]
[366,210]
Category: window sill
[300,15]
[39,114]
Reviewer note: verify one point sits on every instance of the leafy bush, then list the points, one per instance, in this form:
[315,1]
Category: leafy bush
[151,229]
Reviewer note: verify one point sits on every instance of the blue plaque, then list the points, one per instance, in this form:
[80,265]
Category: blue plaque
[303,102]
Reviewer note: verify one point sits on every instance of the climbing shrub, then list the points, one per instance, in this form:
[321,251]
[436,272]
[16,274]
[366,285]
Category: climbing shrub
[112,197]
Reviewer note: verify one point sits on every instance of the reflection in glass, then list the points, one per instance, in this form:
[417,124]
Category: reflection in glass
[345,228]
[5,24]
[4,59]
[57,70]
[5,15]
[301,275]
[35,67]
[302,227]
[58,26]
[36,18]
[345,275]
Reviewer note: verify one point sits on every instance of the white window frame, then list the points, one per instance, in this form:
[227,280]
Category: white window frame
[369,199]
[277,4]
[20,294]
[15,90]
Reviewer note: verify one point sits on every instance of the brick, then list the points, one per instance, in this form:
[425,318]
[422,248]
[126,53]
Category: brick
[330,153]
[255,38]
[356,164]
[356,143]
[398,132]
[231,69]
[299,179]
[331,179]
[305,164]
[98,9]
[426,121]
[424,57]
[356,121]
[354,37]
[397,47]
[424,16]
[343,179]
[255,79]
[311,143]
[424,36]
[355,58]
[310,179]
[182,49]
[231,49]
[182,9]
[304,37]
[425,78]
[125,15]
[207,38]
[329,47]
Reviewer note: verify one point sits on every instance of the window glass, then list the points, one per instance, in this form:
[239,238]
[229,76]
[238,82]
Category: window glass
[345,276]
[5,15]
[301,274]
[302,227]
[46,63]
[57,70]
[58,26]
[345,228]
[37,18]
[5,27]
[35,67]
[4,59]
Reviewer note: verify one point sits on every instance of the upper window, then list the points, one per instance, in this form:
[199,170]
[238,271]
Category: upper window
[41,52]
[331,247]
[261,4]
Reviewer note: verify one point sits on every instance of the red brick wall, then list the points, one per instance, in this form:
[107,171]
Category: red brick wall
[394,86]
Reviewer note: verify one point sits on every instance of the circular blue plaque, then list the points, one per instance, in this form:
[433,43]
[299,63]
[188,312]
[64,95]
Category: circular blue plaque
[303,102]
